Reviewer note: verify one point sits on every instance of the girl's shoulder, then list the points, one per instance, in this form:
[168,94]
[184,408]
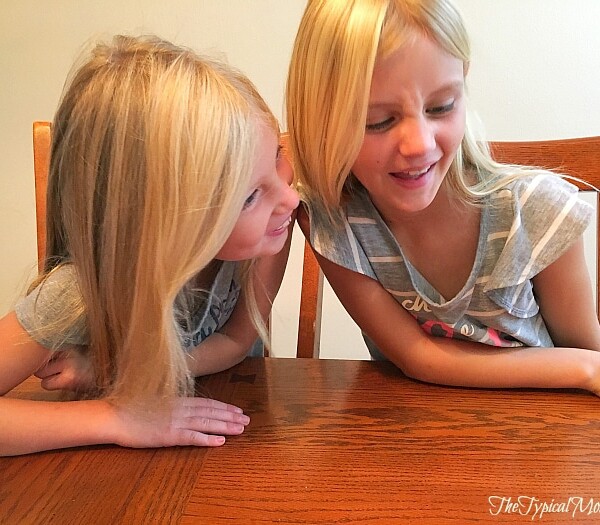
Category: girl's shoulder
[53,312]
[540,193]
[347,237]
[540,183]
[531,222]
[58,282]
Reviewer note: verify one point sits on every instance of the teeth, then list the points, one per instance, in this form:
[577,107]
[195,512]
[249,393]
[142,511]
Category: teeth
[285,224]
[417,173]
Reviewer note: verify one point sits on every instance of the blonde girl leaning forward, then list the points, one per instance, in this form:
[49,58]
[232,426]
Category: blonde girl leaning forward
[459,270]
[164,172]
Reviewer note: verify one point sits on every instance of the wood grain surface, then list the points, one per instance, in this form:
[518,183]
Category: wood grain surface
[336,442]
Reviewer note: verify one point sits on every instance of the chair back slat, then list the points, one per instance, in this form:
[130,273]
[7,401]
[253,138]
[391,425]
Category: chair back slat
[41,166]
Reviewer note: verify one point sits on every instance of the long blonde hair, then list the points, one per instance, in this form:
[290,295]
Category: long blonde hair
[329,81]
[152,149]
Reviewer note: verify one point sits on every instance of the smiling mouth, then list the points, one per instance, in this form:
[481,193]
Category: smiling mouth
[284,226]
[412,174]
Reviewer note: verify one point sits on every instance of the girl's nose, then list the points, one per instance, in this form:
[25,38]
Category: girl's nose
[416,138]
[289,199]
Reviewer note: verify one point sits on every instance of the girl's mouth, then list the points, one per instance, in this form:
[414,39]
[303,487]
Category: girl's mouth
[283,226]
[412,174]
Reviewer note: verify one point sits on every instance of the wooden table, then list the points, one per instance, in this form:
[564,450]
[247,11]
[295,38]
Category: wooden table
[336,442]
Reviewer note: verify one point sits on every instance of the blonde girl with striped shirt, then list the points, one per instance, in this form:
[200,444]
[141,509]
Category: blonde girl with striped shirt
[460,270]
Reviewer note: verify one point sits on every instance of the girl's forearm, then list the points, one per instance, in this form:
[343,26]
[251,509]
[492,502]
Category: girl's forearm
[459,363]
[32,426]
[215,354]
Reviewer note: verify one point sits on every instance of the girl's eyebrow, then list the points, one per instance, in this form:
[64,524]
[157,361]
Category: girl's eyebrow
[450,87]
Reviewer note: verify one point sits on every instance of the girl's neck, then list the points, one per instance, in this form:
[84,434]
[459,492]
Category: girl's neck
[444,210]
[441,242]
[205,278]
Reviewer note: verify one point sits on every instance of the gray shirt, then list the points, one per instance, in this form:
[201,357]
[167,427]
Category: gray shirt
[525,226]
[60,293]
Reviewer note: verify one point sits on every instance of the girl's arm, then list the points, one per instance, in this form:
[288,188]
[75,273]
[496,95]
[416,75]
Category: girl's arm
[30,426]
[456,362]
[230,345]
[564,293]
[20,356]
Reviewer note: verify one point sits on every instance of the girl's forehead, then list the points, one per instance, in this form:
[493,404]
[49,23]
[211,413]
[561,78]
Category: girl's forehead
[419,69]
[416,54]
[392,40]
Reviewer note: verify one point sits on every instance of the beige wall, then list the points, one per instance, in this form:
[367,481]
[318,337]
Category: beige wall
[40,40]
[535,74]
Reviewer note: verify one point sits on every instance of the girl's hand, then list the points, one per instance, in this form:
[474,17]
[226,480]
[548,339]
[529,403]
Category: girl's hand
[192,421]
[67,370]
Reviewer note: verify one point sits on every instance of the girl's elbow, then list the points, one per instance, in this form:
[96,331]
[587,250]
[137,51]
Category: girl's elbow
[416,367]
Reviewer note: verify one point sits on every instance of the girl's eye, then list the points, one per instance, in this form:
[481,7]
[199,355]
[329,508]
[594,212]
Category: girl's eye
[380,126]
[248,202]
[440,110]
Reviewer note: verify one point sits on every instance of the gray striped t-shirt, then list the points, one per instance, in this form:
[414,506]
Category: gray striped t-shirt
[59,293]
[525,226]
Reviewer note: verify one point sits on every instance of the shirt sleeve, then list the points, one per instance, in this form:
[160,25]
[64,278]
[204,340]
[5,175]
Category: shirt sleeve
[52,314]
[337,242]
[544,216]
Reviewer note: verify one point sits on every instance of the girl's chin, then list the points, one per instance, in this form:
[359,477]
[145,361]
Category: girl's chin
[272,247]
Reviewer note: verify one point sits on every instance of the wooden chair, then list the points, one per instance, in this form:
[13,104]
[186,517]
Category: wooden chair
[311,296]
[41,165]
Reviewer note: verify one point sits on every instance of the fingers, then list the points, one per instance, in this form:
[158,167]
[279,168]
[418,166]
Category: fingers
[53,382]
[205,440]
[210,425]
[209,416]
[184,421]
[211,403]
[57,378]
[48,369]
[205,422]
[67,370]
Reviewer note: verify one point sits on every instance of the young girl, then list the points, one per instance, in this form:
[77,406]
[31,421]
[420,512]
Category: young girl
[460,270]
[165,171]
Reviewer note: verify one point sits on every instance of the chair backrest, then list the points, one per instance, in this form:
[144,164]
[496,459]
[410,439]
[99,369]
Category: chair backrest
[311,295]
[579,157]
[41,165]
